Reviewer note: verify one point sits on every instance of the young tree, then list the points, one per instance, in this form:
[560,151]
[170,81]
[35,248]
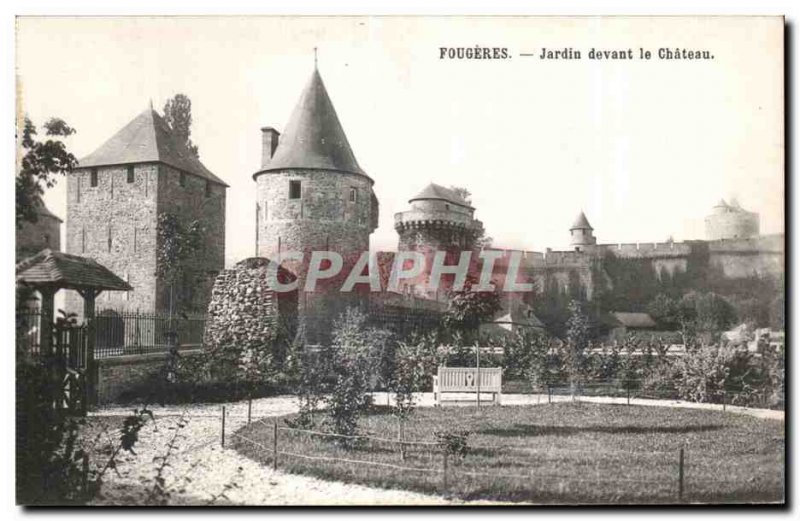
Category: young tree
[577,343]
[178,115]
[41,164]
[177,245]
[467,309]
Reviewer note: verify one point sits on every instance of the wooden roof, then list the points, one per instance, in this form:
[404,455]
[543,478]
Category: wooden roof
[59,270]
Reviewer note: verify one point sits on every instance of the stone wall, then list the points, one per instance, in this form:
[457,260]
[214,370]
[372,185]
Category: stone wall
[123,375]
[196,198]
[244,308]
[114,223]
[732,225]
[34,237]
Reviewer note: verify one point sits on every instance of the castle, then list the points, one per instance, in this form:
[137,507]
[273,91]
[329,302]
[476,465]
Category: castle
[312,195]
[114,199]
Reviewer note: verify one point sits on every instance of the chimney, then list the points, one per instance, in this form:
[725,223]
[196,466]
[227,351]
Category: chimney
[269,142]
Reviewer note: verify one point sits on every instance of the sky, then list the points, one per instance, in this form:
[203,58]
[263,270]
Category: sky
[644,147]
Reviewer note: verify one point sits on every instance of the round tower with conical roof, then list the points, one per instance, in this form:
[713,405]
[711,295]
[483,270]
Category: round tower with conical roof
[581,232]
[311,193]
[439,219]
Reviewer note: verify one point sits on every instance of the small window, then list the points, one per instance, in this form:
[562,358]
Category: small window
[93,177]
[130,174]
[208,188]
[294,189]
[182,179]
[353,195]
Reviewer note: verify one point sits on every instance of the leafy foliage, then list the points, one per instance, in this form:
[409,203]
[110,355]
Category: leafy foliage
[467,309]
[453,442]
[178,115]
[42,163]
[178,243]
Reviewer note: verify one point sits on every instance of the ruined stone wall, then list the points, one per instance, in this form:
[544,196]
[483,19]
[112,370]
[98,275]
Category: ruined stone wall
[244,308]
[114,223]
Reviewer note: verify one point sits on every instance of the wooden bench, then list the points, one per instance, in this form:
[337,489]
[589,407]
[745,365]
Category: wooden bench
[465,380]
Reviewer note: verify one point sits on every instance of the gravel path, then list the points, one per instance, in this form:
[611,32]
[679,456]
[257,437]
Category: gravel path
[201,472]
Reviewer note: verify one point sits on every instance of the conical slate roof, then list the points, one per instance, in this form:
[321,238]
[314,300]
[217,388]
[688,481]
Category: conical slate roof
[148,139]
[438,192]
[314,138]
[581,223]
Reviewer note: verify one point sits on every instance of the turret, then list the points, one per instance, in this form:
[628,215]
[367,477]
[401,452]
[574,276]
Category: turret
[581,232]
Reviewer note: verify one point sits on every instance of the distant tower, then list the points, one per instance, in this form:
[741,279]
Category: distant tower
[439,219]
[114,198]
[581,232]
[311,193]
[731,221]
[44,233]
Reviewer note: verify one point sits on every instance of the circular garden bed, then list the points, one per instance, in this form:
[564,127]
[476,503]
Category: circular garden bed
[559,453]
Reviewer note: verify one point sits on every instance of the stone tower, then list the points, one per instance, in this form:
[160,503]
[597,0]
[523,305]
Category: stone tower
[731,221]
[44,233]
[311,193]
[581,233]
[439,220]
[114,199]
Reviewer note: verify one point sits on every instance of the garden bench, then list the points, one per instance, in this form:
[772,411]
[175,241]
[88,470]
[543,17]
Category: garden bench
[465,380]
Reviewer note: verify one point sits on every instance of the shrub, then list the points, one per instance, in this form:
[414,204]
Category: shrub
[453,442]
[354,355]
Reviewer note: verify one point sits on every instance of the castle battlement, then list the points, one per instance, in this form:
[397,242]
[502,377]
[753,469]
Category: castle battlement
[646,250]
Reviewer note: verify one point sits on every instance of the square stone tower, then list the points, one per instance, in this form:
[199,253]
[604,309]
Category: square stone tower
[114,199]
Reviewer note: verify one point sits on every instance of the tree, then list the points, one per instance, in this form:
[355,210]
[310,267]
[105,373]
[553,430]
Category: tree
[467,309]
[577,342]
[42,163]
[177,245]
[482,240]
[178,115]
[355,349]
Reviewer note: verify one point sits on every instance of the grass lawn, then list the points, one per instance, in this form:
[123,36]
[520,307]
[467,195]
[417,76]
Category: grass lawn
[559,453]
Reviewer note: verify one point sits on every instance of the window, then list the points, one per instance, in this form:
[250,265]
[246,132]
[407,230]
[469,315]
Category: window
[182,179]
[208,188]
[353,195]
[130,174]
[93,177]
[294,189]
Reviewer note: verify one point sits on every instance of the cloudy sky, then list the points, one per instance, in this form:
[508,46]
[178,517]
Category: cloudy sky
[644,147]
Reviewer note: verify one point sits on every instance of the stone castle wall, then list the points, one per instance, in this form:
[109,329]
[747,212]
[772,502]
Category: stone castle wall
[200,200]
[323,218]
[114,223]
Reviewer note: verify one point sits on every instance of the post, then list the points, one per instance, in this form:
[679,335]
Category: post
[444,470]
[249,409]
[478,374]
[223,427]
[275,445]
[549,394]
[628,391]
[680,475]
[85,480]
[400,436]
[724,399]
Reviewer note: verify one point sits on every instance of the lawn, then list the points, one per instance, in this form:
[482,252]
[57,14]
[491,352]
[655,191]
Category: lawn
[559,453]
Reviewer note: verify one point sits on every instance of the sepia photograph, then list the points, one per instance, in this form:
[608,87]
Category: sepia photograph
[400,260]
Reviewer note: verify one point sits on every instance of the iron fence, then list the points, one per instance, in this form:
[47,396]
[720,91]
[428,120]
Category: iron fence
[118,333]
